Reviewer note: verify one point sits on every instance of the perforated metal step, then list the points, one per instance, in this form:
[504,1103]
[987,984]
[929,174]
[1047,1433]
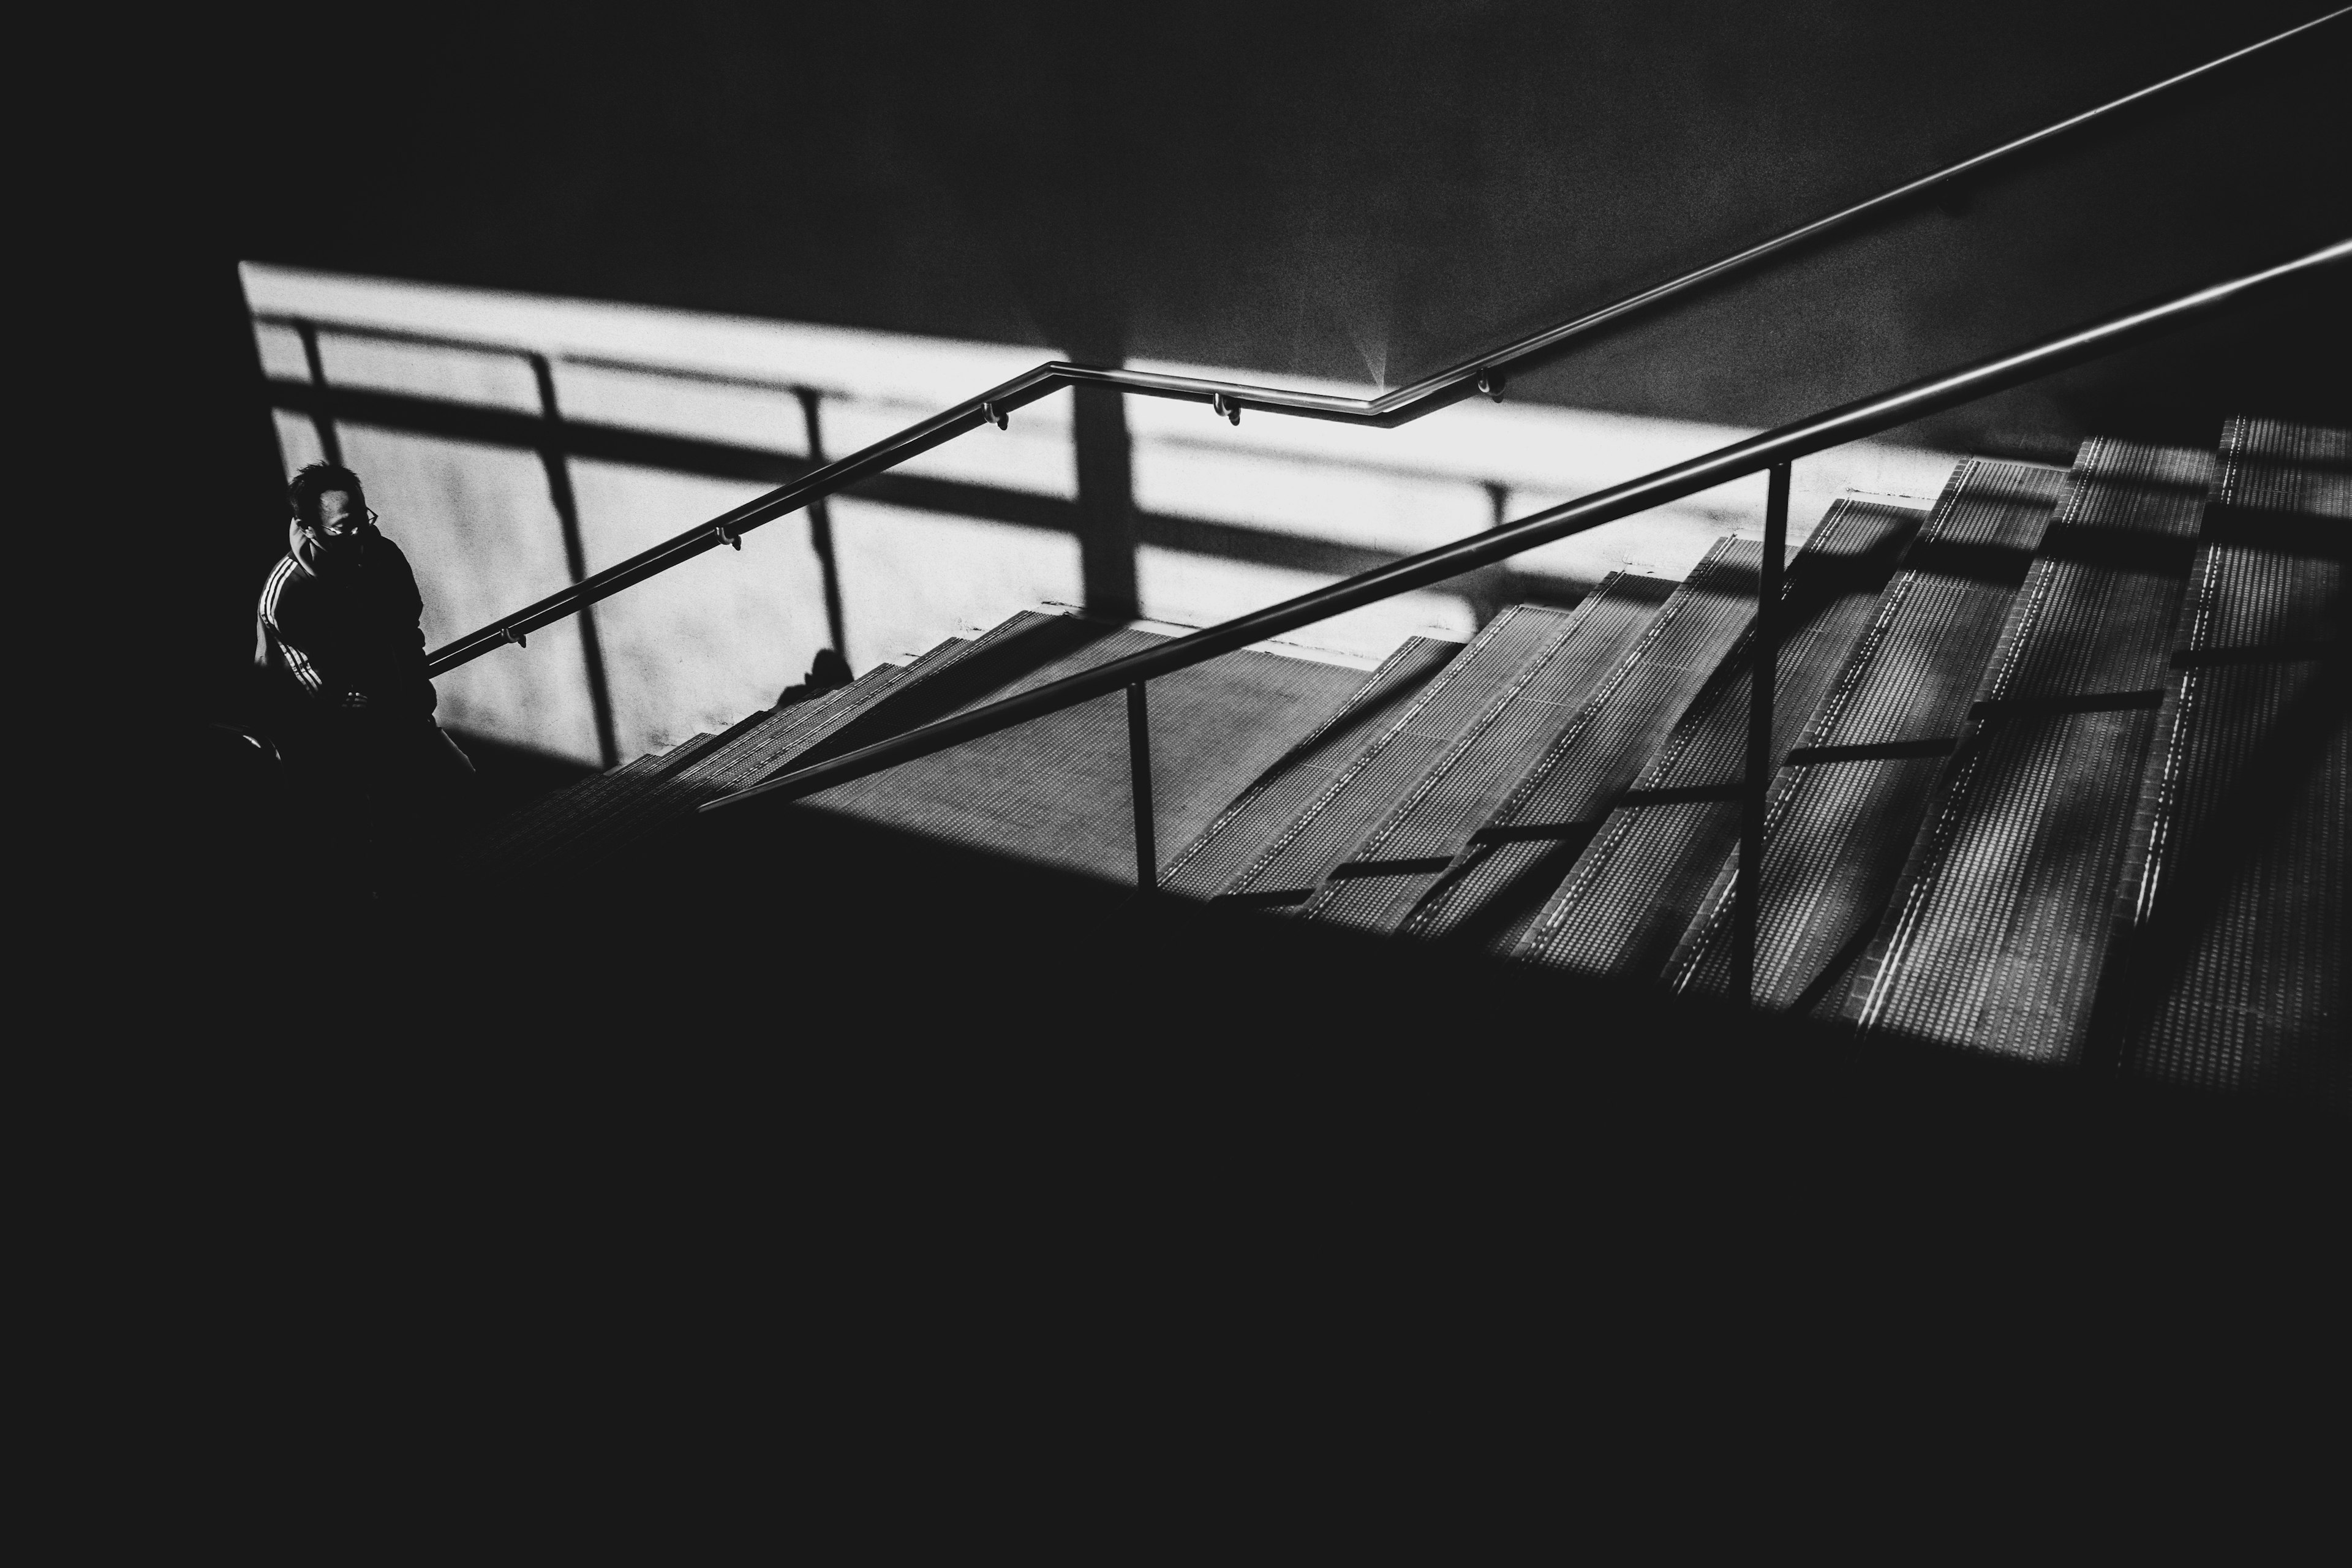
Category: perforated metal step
[759,745]
[648,793]
[2227,971]
[2000,923]
[1577,726]
[946,679]
[1274,798]
[1851,790]
[1287,872]
[1631,892]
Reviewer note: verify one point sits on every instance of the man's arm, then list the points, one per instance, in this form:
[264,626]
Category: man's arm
[287,613]
[305,670]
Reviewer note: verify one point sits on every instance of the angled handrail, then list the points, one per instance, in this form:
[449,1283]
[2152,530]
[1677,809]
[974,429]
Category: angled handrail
[1484,373]
[1852,422]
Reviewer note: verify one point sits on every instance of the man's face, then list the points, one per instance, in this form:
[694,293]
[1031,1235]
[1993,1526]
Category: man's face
[342,519]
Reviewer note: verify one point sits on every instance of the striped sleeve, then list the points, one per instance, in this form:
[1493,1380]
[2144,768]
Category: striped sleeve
[297,663]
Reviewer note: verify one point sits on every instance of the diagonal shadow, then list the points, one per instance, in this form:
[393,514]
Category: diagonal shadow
[1360,719]
[1817,581]
[1520,895]
[1838,971]
[977,676]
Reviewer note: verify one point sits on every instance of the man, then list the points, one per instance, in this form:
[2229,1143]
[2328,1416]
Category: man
[341,654]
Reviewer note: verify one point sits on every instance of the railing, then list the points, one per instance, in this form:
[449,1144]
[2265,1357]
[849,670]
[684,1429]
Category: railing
[1772,452]
[1487,373]
[553,436]
[557,436]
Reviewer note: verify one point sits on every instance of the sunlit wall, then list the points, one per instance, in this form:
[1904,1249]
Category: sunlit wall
[469,411]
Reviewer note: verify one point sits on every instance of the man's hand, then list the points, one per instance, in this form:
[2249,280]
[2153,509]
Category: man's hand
[352,700]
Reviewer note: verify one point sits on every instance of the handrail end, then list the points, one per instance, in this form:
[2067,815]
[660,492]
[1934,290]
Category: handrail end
[778,786]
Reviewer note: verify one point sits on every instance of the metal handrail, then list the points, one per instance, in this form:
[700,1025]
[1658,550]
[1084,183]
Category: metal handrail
[1484,373]
[1755,454]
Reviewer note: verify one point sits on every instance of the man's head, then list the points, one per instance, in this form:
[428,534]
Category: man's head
[328,505]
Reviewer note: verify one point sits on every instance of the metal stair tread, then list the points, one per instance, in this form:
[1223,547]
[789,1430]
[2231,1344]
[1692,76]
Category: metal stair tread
[1336,820]
[770,741]
[1836,834]
[1272,800]
[1628,657]
[652,799]
[598,817]
[1631,892]
[1535,831]
[2228,971]
[1055,790]
[1999,925]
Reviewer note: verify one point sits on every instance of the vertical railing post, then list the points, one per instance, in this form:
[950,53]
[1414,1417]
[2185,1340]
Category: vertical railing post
[555,460]
[1139,769]
[323,419]
[1756,782]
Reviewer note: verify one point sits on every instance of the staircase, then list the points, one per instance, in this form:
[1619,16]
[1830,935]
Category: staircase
[2061,774]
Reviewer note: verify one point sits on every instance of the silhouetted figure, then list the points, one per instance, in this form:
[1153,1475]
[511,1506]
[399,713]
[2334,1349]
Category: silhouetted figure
[341,654]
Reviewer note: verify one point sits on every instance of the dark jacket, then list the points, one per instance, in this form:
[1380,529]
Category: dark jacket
[329,625]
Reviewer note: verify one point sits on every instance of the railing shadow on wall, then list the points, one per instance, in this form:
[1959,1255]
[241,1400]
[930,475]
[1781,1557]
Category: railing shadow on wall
[526,416]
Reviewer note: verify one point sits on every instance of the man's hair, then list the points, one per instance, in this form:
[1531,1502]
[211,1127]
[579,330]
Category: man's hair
[302,495]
